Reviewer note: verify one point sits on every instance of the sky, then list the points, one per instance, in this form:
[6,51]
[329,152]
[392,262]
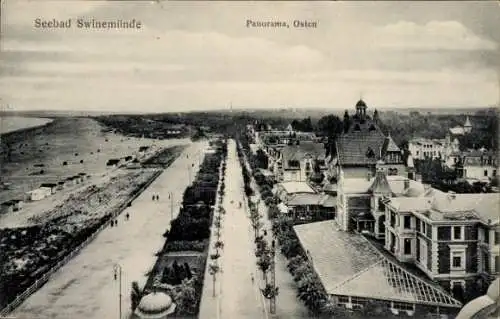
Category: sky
[201,55]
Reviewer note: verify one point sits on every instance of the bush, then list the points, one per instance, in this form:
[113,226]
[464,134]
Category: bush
[184,245]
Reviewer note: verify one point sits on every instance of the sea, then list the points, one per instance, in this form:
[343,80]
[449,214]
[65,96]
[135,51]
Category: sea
[15,123]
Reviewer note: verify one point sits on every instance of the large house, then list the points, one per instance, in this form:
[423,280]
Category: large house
[476,165]
[462,130]
[452,238]
[303,203]
[299,161]
[422,148]
[359,149]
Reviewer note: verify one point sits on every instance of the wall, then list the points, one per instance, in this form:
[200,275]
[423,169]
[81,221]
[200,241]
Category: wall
[357,172]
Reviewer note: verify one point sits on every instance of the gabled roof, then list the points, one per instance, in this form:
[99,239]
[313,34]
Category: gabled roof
[387,281]
[296,187]
[390,145]
[380,184]
[347,264]
[467,122]
[302,199]
[354,147]
[299,152]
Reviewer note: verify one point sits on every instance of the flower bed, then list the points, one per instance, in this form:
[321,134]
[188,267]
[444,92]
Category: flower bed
[189,233]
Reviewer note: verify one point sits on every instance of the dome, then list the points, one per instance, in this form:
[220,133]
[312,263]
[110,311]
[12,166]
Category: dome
[361,103]
[155,305]
[494,290]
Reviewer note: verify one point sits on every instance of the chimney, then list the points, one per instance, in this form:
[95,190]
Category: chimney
[406,183]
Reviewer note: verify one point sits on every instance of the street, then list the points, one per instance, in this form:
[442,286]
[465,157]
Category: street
[85,287]
[238,296]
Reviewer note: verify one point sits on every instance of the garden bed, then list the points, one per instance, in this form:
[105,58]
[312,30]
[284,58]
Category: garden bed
[179,269]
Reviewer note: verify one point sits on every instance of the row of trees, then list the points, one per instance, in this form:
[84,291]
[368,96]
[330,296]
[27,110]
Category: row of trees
[190,231]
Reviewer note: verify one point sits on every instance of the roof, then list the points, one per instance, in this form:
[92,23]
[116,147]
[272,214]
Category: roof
[476,306]
[48,185]
[467,122]
[457,130]
[455,206]
[387,281]
[380,184]
[408,204]
[390,145]
[304,199]
[360,147]
[361,103]
[299,152]
[296,187]
[328,201]
[356,185]
[347,264]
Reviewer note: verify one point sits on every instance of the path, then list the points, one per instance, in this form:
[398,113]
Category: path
[85,288]
[237,296]
[287,303]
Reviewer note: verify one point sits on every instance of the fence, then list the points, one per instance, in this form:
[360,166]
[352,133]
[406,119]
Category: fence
[43,279]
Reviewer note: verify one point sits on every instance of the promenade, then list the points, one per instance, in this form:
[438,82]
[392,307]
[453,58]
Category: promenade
[85,287]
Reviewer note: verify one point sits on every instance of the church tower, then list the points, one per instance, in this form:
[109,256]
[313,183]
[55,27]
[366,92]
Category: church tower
[361,110]
[467,125]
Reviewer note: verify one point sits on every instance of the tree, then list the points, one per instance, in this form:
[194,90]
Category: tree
[185,298]
[264,264]
[135,295]
[347,122]
[330,125]
[213,270]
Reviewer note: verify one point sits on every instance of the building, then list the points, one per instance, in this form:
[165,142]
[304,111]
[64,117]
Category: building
[308,207]
[284,190]
[477,165]
[298,162]
[39,193]
[358,150]
[11,206]
[353,273]
[422,148]
[453,238]
[50,186]
[462,130]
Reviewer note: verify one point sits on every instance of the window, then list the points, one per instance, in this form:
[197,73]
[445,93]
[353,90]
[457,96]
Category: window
[403,306]
[417,222]
[485,172]
[407,222]
[407,246]
[343,299]
[497,264]
[457,259]
[494,172]
[423,230]
[497,238]
[381,206]
[458,233]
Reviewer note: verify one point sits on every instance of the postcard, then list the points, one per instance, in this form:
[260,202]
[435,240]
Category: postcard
[249,159]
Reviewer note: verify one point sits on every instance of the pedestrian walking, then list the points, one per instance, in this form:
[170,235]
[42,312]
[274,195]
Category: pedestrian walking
[116,222]
[127,216]
[157,197]
[153,197]
[251,276]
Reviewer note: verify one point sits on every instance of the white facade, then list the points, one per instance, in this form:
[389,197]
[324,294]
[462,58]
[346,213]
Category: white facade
[39,193]
[421,148]
[480,173]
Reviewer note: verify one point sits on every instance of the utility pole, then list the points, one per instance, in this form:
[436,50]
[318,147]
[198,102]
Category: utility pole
[118,276]
[171,197]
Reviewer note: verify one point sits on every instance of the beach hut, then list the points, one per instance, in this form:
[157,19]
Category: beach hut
[113,162]
[38,194]
[7,207]
[51,186]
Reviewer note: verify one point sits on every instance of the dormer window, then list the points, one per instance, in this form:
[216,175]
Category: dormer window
[370,153]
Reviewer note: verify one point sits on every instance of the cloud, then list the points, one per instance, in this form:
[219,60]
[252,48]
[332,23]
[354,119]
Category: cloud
[434,35]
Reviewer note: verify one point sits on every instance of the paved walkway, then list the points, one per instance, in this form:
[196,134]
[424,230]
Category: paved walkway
[237,296]
[85,288]
[287,303]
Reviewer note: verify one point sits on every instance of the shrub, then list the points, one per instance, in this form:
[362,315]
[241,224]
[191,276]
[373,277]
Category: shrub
[185,245]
